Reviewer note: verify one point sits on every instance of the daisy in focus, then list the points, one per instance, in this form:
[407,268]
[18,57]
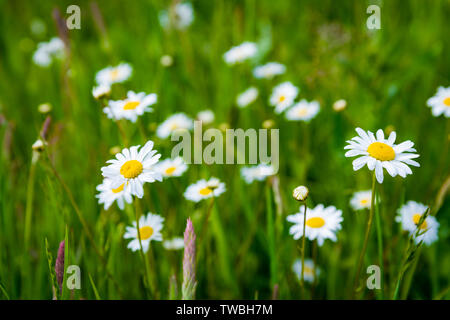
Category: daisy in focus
[177,121]
[321,223]
[283,96]
[136,104]
[203,189]
[409,216]
[247,97]
[378,153]
[108,194]
[47,51]
[440,102]
[180,16]
[303,110]
[133,167]
[171,167]
[269,70]
[240,53]
[117,74]
[174,244]
[309,273]
[150,227]
[259,172]
[361,200]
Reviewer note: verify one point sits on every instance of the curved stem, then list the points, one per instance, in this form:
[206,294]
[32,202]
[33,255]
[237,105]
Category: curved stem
[302,281]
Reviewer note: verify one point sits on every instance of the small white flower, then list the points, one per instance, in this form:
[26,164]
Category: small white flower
[339,105]
[149,229]
[269,70]
[166,60]
[116,74]
[361,200]
[171,167]
[174,244]
[321,223]
[182,16]
[247,97]
[240,53]
[259,172]
[133,168]
[177,121]
[303,110]
[108,194]
[309,273]
[101,90]
[409,216]
[440,102]
[283,96]
[46,51]
[378,153]
[136,104]
[205,116]
[300,193]
[203,189]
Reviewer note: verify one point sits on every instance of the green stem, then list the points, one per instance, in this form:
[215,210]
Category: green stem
[29,204]
[302,281]
[271,237]
[379,243]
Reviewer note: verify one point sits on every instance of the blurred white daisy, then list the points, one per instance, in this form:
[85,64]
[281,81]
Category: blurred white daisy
[321,223]
[309,270]
[240,53]
[203,189]
[259,172]
[133,168]
[174,244]
[171,167]
[150,227]
[136,104]
[176,121]
[378,153]
[269,70]
[205,116]
[283,96]
[46,51]
[440,102]
[303,110]
[101,90]
[108,194]
[247,97]
[361,200]
[180,16]
[339,105]
[409,216]
[117,74]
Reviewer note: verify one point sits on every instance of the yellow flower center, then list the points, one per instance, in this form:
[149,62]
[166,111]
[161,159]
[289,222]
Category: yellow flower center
[131,105]
[145,232]
[381,151]
[302,112]
[416,219]
[447,101]
[114,74]
[315,222]
[119,189]
[173,126]
[131,169]
[205,191]
[170,170]
[364,201]
[309,270]
[281,98]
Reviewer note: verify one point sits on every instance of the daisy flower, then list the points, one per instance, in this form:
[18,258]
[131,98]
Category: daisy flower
[240,53]
[133,168]
[309,270]
[171,167]
[117,74]
[181,17]
[203,189]
[283,96]
[259,172]
[205,116]
[269,70]
[303,110]
[247,97]
[101,91]
[108,194]
[174,244]
[440,102]
[174,122]
[378,153]
[136,104]
[361,200]
[46,51]
[409,216]
[321,223]
[150,227]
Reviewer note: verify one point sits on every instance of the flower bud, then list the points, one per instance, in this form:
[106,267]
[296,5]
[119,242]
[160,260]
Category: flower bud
[300,193]
[339,105]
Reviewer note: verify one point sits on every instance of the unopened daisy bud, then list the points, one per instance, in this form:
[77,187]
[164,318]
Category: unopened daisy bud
[45,108]
[114,150]
[59,265]
[339,105]
[166,60]
[268,124]
[300,193]
[39,145]
[101,91]
[189,283]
